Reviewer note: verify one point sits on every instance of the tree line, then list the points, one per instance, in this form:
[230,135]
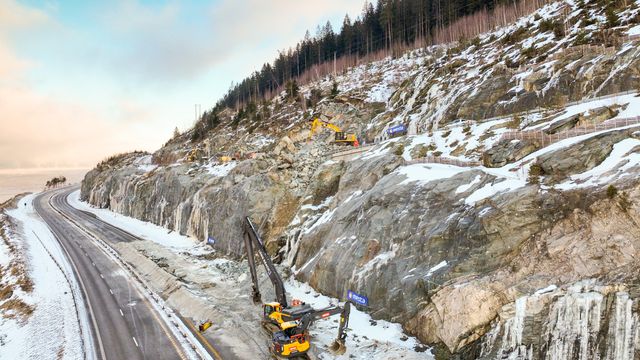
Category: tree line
[382,26]
[55,182]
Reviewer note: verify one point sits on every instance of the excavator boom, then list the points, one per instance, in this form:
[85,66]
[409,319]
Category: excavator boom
[253,242]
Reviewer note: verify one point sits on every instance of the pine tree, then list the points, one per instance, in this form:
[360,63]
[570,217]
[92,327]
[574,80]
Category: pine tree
[334,89]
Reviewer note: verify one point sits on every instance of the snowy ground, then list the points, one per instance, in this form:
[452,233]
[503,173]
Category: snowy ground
[367,339]
[54,329]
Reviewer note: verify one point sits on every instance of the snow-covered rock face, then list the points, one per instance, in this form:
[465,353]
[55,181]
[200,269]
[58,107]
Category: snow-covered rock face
[453,252]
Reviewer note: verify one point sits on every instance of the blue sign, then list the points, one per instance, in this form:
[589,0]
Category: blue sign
[396,129]
[211,241]
[357,298]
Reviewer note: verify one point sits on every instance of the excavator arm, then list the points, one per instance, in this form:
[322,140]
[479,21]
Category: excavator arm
[317,123]
[344,312]
[253,242]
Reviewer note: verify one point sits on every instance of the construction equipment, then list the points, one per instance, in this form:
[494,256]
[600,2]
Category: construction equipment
[193,155]
[204,326]
[278,312]
[293,339]
[340,138]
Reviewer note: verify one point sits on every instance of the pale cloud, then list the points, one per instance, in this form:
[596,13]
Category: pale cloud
[14,16]
[165,43]
[72,94]
[44,130]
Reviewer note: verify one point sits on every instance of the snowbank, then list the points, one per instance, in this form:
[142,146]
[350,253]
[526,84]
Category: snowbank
[55,327]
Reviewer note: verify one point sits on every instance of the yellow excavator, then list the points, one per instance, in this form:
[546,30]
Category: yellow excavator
[280,311]
[287,323]
[341,136]
[293,339]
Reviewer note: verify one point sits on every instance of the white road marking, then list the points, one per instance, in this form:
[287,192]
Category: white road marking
[101,276]
[94,264]
[134,340]
[111,291]
[121,313]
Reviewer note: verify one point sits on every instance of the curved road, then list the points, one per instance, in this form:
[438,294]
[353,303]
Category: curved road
[124,324]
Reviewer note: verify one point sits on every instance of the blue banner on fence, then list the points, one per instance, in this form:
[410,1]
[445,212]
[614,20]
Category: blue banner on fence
[357,298]
[211,241]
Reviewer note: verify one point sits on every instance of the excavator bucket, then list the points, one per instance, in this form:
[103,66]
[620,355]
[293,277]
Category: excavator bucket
[338,347]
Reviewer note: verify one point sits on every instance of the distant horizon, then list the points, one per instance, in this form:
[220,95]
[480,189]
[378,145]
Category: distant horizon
[44,169]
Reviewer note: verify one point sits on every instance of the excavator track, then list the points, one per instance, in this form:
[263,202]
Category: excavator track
[270,327]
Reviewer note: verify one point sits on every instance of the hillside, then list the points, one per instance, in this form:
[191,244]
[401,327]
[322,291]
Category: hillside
[504,225]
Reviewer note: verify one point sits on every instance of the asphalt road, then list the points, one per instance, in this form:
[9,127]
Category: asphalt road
[124,323]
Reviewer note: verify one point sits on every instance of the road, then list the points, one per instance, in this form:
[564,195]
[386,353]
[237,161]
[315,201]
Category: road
[124,324]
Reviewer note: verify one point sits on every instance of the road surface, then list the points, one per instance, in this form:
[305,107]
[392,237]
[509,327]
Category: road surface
[124,324]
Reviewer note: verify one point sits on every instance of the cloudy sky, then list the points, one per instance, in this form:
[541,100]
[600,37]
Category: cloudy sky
[80,80]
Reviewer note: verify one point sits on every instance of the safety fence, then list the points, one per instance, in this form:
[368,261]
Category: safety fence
[547,139]
[430,159]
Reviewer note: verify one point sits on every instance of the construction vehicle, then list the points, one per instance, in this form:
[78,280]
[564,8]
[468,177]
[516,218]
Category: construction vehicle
[340,138]
[193,155]
[293,339]
[277,312]
[204,326]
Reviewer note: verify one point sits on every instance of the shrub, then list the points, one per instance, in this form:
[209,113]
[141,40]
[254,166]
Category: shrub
[514,37]
[515,122]
[466,129]
[529,53]
[558,30]
[423,152]
[613,19]
[437,153]
[399,150]
[624,202]
[476,41]
[546,25]
[446,133]
[512,64]
[536,170]
[612,191]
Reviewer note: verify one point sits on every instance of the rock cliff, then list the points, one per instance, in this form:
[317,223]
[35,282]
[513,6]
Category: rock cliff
[531,255]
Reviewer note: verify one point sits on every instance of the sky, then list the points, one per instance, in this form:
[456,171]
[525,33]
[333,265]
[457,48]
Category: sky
[82,80]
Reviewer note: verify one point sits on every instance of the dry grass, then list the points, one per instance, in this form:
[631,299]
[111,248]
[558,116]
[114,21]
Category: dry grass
[12,276]
[16,308]
[6,292]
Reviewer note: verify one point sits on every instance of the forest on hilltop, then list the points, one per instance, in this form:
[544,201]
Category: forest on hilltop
[380,29]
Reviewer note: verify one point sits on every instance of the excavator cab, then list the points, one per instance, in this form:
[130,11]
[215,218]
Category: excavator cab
[290,341]
[272,312]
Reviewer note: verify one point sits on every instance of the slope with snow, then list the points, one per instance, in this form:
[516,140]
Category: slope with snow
[58,326]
